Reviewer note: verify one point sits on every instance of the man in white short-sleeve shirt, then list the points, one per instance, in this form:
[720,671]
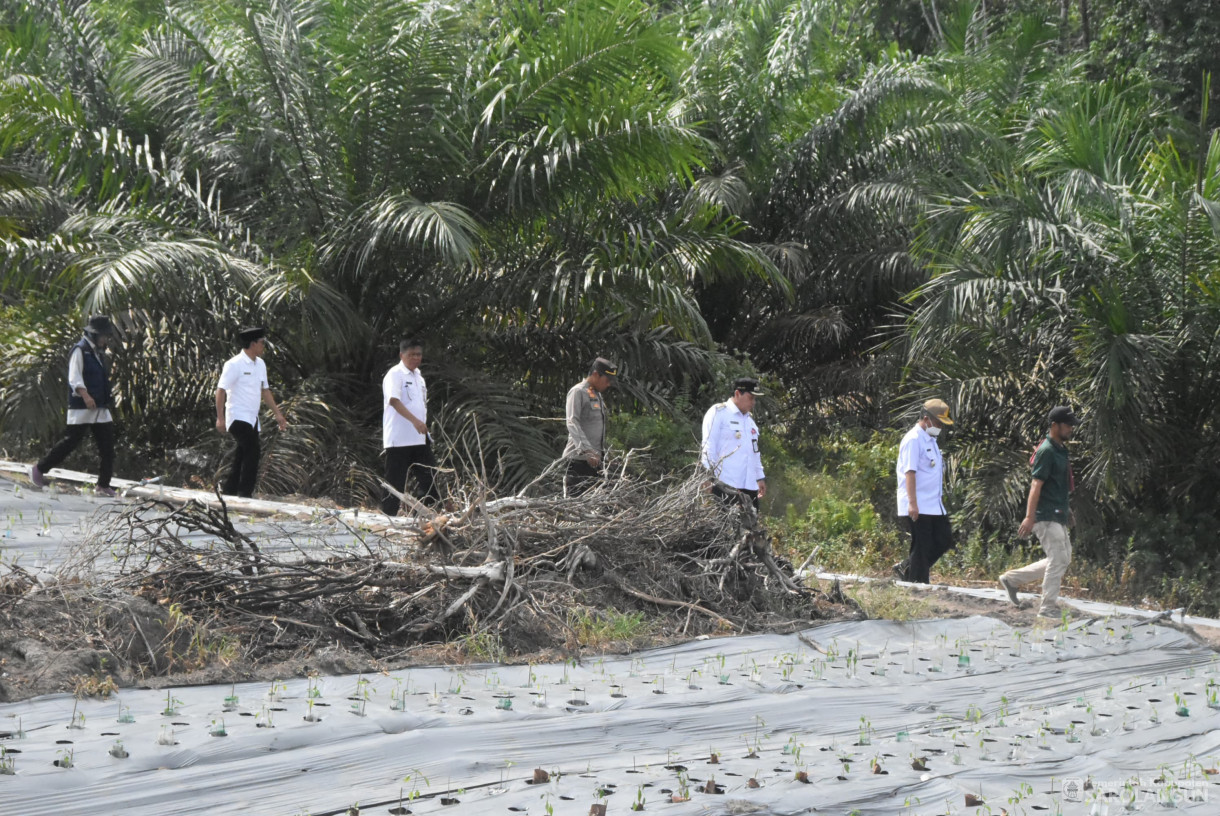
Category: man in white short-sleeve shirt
[404,429]
[921,476]
[242,387]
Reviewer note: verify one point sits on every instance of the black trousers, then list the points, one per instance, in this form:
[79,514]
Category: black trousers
[931,537]
[246,452]
[415,462]
[581,477]
[731,495]
[103,437]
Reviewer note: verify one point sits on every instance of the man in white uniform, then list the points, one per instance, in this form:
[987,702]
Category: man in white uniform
[243,384]
[921,475]
[730,445]
[404,429]
[89,403]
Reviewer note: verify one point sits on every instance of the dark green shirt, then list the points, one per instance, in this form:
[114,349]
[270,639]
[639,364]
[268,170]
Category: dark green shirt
[1051,466]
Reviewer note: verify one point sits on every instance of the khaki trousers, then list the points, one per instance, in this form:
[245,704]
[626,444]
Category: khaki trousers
[1053,537]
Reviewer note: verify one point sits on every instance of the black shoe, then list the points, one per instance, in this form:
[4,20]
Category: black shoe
[900,570]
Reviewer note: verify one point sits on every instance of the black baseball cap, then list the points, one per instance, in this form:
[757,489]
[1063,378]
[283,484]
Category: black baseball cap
[748,385]
[1062,414]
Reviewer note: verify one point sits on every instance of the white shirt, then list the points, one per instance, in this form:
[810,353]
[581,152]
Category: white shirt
[76,379]
[919,452]
[411,390]
[730,446]
[244,378]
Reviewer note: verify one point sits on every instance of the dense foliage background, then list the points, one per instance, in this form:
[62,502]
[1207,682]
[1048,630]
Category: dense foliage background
[1011,204]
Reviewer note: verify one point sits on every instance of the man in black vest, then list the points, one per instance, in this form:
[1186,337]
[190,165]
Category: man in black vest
[88,405]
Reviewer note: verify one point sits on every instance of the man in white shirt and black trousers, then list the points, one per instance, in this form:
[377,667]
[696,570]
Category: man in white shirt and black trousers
[404,429]
[730,445]
[921,475]
[242,385]
[89,403]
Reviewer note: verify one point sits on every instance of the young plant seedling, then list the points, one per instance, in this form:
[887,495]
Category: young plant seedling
[171,705]
[638,804]
[78,717]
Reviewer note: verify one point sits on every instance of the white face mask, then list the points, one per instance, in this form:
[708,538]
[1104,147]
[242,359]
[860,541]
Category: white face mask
[933,431]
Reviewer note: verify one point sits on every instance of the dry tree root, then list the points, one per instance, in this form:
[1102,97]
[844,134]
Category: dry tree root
[670,549]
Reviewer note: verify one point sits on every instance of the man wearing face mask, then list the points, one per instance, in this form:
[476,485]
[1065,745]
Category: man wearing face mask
[89,403]
[1047,514]
[921,493]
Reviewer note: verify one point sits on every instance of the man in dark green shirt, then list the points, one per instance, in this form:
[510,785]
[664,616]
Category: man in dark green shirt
[1047,514]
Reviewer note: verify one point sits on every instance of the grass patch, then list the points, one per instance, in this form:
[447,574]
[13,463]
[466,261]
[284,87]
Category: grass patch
[483,647]
[596,628]
[887,601]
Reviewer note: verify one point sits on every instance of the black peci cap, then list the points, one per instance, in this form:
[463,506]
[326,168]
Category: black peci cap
[251,333]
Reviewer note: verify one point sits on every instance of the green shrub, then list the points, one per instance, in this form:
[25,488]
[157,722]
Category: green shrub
[665,442]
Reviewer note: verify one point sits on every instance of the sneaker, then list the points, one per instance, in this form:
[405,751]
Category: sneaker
[1011,590]
[1051,613]
[108,492]
[36,476]
[900,570]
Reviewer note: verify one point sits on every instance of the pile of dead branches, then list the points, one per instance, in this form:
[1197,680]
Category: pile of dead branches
[493,565]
